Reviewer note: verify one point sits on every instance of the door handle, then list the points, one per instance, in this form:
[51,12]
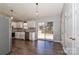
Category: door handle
[72,38]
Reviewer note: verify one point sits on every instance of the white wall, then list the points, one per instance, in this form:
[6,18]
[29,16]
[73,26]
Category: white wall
[30,24]
[56,26]
[4,35]
[76,17]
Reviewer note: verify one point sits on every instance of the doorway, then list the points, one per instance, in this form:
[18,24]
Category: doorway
[45,31]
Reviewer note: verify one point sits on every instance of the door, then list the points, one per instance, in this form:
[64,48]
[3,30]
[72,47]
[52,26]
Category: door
[49,31]
[41,30]
[45,30]
[69,30]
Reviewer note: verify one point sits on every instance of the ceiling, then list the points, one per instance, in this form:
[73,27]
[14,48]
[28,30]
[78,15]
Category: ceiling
[27,11]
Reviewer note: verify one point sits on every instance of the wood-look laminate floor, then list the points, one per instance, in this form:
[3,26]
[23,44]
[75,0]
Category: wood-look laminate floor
[38,47]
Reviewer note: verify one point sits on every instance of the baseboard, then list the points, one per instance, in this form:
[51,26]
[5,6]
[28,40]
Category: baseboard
[57,41]
[44,40]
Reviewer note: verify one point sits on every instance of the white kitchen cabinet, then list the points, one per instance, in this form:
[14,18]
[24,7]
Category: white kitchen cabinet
[20,35]
[32,36]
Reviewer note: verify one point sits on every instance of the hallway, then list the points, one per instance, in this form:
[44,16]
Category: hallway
[38,47]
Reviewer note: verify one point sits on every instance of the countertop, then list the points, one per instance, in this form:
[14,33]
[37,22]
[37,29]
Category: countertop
[23,30]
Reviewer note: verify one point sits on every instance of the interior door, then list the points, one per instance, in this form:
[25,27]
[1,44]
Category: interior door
[69,31]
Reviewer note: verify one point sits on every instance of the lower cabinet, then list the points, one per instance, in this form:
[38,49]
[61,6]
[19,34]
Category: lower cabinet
[20,35]
[32,35]
[25,35]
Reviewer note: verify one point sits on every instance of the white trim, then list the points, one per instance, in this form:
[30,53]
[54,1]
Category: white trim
[56,41]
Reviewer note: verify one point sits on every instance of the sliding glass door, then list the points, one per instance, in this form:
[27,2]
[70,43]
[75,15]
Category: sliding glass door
[45,30]
[49,31]
[41,31]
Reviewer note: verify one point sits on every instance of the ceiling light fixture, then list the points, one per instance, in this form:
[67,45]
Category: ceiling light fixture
[11,16]
[37,12]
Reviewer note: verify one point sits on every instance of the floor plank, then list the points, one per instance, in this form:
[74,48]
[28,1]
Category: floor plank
[38,47]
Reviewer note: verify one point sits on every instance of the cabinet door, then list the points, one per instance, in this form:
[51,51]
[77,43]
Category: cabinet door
[16,35]
[22,35]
